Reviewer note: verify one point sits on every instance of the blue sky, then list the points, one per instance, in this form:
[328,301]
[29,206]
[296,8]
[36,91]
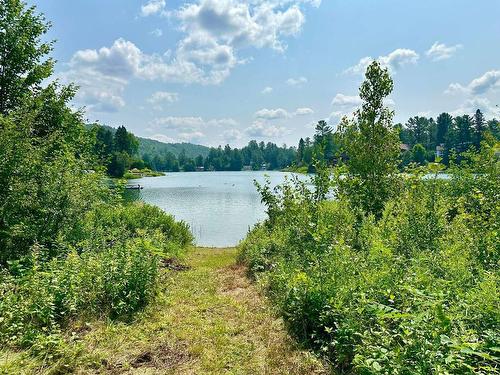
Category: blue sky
[227,71]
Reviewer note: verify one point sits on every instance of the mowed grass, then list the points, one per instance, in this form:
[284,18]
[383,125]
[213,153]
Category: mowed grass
[207,319]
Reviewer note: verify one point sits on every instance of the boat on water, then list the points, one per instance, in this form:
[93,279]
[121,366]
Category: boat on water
[134,187]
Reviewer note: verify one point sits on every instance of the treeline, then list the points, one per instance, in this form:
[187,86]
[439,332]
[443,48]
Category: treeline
[254,156]
[426,137]
[422,140]
[118,152]
[70,249]
[399,274]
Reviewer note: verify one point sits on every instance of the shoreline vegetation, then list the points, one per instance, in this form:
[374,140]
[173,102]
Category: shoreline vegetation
[207,318]
[393,276]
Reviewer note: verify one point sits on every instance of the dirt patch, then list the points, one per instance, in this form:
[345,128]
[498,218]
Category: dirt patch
[234,281]
[164,356]
[173,264]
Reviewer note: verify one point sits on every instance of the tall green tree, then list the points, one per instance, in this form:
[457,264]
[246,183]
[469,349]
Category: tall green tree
[418,127]
[464,129]
[300,151]
[125,141]
[24,60]
[479,128]
[371,145]
[444,123]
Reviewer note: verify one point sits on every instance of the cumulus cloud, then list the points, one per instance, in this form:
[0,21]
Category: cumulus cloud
[153,7]
[440,51]
[303,111]
[487,82]
[191,122]
[213,33]
[296,81]
[240,23]
[271,114]
[175,123]
[394,61]
[472,104]
[232,135]
[267,90]
[261,129]
[346,100]
[192,128]
[163,97]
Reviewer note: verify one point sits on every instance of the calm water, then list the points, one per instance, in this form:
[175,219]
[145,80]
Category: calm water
[220,207]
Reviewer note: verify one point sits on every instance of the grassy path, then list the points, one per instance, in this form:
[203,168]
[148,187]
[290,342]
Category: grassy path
[209,319]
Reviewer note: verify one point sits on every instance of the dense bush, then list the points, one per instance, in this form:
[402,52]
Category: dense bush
[416,291]
[110,271]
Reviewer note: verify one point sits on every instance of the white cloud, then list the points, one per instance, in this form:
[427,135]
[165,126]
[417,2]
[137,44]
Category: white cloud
[191,123]
[440,51]
[194,136]
[267,90]
[487,82]
[455,88]
[214,32]
[162,138]
[240,23]
[161,97]
[335,117]
[303,111]
[271,114]
[157,32]
[174,123]
[296,81]
[472,104]
[346,100]
[424,113]
[260,129]
[394,61]
[153,7]
[232,135]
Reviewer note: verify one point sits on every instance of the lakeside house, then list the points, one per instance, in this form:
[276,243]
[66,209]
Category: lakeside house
[440,150]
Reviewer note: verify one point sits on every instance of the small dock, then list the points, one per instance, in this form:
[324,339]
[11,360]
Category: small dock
[134,187]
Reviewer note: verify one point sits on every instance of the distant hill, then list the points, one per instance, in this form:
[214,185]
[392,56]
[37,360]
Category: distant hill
[153,147]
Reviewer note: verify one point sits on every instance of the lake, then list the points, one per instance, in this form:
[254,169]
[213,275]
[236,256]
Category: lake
[220,207]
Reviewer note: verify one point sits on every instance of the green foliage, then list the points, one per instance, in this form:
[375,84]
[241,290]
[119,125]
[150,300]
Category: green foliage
[110,269]
[418,154]
[48,180]
[371,145]
[69,248]
[23,59]
[387,280]
[415,292]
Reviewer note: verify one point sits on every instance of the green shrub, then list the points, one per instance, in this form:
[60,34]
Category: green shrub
[111,271]
[415,292]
